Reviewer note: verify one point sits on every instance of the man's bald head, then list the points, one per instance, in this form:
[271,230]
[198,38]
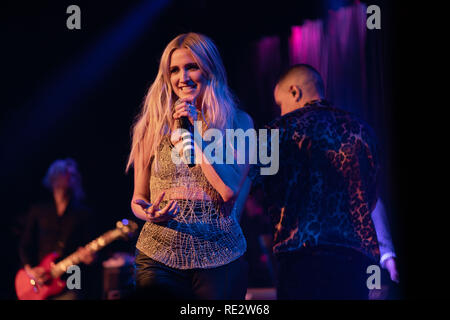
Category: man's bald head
[300,84]
[306,77]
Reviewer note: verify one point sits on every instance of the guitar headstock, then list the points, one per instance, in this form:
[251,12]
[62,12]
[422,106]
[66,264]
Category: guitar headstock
[127,227]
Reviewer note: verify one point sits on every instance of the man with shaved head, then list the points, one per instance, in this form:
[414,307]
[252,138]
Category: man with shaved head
[300,85]
[322,197]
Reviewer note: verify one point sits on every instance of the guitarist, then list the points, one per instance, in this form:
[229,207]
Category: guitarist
[60,226]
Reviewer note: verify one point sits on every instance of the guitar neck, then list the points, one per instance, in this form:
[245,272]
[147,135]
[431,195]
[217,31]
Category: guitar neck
[74,259]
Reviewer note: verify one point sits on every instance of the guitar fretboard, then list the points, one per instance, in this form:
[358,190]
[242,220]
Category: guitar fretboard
[60,268]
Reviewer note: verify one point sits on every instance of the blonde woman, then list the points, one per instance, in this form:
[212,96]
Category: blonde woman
[191,245]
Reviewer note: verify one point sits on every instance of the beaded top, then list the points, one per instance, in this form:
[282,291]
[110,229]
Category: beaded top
[205,233]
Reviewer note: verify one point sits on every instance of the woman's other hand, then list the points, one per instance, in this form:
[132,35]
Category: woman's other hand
[154,214]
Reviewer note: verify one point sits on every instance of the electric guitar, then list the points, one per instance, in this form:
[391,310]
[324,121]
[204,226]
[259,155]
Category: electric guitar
[27,288]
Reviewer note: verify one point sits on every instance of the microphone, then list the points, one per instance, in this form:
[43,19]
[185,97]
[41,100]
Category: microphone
[187,137]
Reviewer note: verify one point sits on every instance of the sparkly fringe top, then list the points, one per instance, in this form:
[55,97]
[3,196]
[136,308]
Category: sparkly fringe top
[204,234]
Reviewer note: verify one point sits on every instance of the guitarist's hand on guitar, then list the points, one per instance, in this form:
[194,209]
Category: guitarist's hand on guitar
[86,255]
[154,214]
[38,274]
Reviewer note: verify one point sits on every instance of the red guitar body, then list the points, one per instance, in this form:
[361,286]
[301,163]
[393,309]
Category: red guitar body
[28,289]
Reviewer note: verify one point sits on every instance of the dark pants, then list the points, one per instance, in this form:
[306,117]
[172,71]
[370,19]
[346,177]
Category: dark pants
[155,280]
[325,273]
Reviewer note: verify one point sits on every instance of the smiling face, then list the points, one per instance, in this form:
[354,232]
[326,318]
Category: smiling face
[186,77]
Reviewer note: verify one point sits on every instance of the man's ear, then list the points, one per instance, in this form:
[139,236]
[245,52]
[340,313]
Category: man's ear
[296,92]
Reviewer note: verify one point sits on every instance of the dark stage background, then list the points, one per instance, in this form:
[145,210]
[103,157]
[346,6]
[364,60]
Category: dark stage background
[75,93]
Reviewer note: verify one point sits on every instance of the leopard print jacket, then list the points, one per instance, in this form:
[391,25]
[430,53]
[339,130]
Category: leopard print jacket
[326,185]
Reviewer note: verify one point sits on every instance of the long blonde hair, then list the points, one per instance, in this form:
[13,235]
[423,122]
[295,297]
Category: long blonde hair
[155,119]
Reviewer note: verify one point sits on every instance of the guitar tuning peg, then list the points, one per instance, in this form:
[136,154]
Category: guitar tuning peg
[119,224]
